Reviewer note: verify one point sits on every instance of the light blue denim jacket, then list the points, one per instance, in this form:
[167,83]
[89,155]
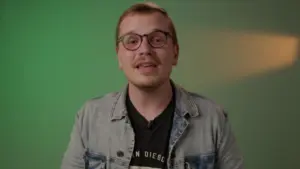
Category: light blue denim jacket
[201,137]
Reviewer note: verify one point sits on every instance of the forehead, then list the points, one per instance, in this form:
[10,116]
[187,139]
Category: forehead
[144,23]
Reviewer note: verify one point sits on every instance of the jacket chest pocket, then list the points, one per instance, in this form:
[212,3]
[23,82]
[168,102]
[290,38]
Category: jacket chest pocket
[206,161]
[94,160]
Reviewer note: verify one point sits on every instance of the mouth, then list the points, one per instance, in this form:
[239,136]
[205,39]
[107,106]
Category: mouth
[146,65]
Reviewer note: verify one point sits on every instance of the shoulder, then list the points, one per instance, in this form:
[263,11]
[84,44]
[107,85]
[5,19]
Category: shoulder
[100,105]
[206,107]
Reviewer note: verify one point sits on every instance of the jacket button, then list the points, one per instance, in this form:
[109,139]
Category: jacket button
[120,153]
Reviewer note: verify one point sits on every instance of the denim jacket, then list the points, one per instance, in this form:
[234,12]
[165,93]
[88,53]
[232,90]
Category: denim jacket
[201,137]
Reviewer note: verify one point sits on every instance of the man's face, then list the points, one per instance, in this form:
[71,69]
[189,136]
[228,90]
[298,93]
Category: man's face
[146,61]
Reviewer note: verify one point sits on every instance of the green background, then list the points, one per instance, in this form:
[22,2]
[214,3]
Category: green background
[54,55]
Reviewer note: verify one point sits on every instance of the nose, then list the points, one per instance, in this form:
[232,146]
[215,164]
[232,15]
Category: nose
[145,48]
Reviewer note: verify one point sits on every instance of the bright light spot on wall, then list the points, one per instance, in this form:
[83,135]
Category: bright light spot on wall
[212,57]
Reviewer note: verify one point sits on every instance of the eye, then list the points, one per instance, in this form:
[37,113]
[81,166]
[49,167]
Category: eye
[131,39]
[157,38]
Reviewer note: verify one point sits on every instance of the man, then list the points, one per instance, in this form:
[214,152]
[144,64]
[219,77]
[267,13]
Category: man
[152,123]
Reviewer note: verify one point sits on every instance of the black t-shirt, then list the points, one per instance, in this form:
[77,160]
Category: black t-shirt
[151,138]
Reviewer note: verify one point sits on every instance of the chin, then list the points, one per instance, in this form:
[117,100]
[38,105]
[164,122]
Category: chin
[147,83]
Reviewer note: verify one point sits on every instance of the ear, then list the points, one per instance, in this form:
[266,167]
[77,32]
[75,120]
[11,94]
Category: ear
[176,52]
[120,65]
[119,62]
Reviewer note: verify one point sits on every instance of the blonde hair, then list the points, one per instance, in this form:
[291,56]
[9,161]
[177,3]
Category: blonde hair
[146,8]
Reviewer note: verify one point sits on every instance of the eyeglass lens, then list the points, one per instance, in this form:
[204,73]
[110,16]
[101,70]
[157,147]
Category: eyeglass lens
[155,39]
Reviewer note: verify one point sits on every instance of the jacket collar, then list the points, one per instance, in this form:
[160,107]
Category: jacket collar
[185,104]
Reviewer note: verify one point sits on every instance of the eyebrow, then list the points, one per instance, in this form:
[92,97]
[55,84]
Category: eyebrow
[133,32]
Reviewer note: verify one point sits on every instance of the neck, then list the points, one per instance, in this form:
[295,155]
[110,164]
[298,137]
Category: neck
[150,103]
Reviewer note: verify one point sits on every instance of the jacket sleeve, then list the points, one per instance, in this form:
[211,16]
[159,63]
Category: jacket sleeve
[229,155]
[73,157]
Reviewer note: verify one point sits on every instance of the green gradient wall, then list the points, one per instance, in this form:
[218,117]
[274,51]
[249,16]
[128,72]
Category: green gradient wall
[54,55]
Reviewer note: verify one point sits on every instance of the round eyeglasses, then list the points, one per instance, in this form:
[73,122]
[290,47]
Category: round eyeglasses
[133,41]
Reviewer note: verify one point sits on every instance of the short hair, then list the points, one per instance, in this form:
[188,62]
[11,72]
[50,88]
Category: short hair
[147,8]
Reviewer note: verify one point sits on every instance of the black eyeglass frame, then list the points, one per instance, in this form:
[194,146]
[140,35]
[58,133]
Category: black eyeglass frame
[167,35]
